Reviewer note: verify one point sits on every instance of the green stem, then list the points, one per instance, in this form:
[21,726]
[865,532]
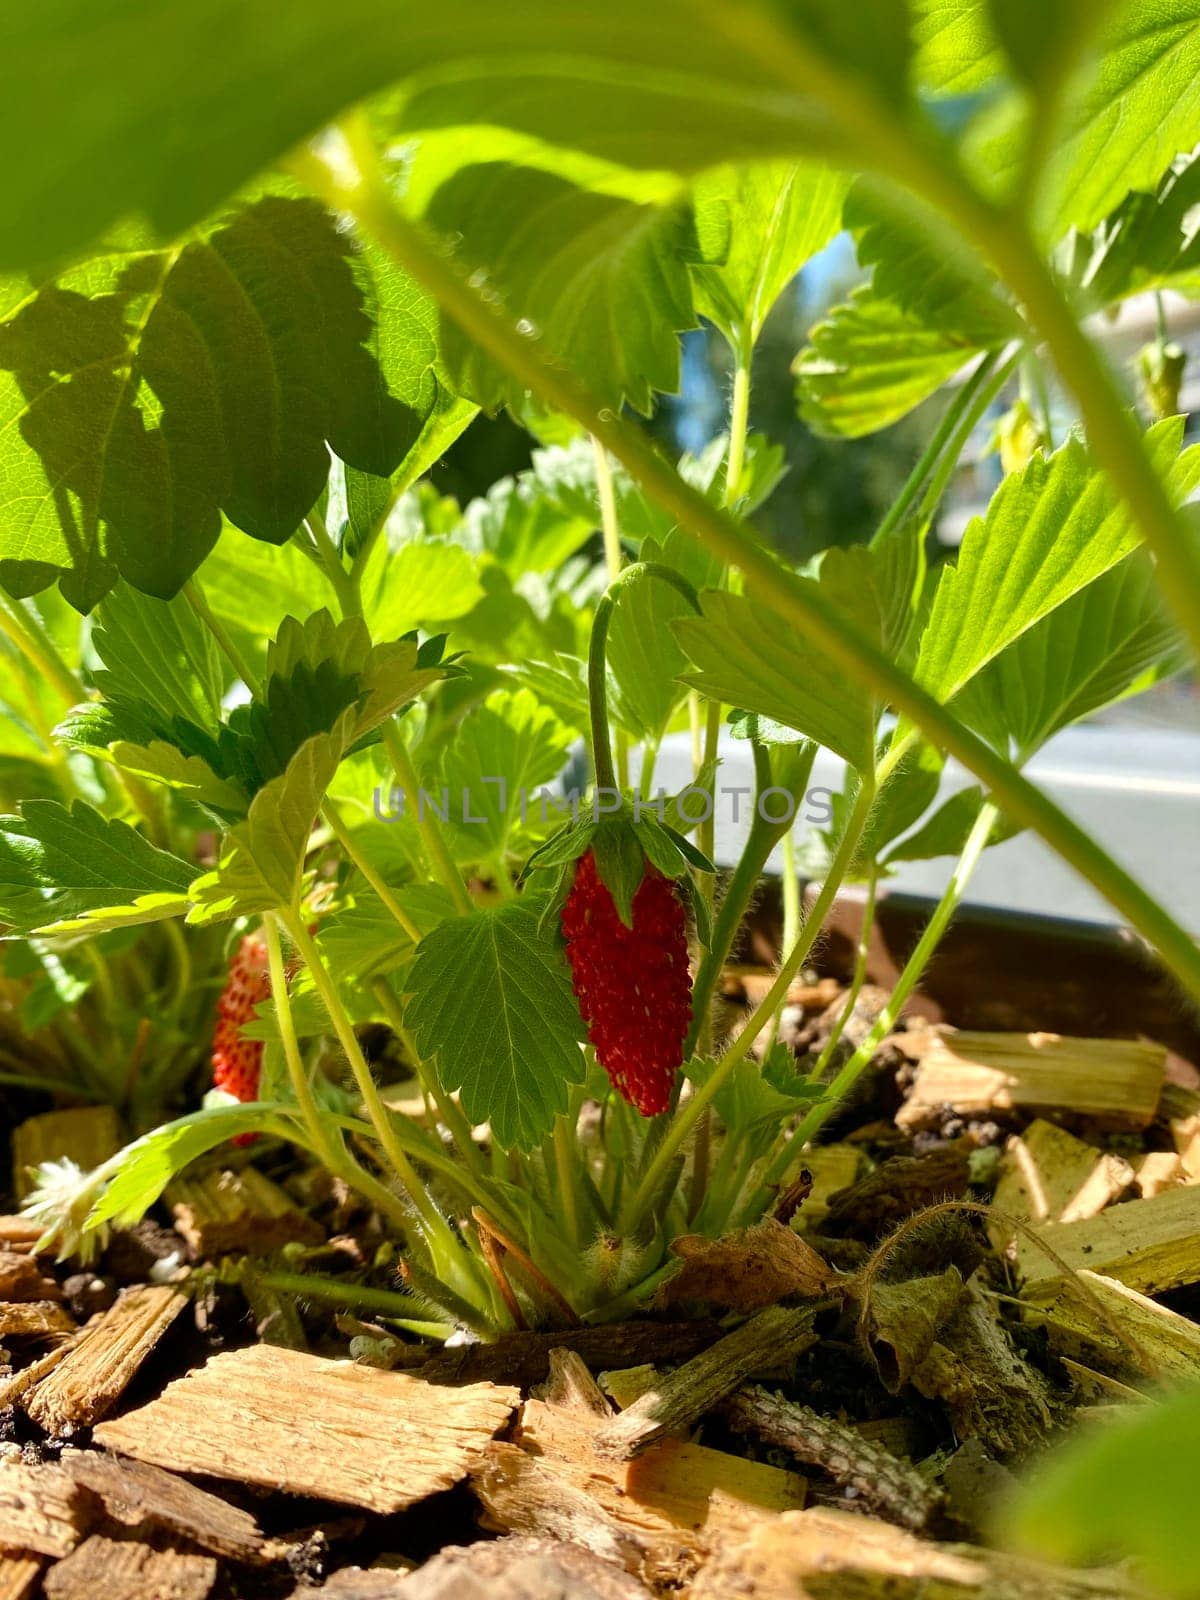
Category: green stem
[451,1113]
[967,422]
[502,877]
[606,493]
[763,838]
[602,760]
[791,915]
[1041,389]
[650,749]
[565,1155]
[388,1303]
[706,831]
[343,583]
[353,854]
[310,1114]
[436,849]
[366,196]
[857,979]
[442,1243]
[330,1151]
[393,1304]
[24,631]
[959,402]
[614,560]
[224,639]
[686,1119]
[739,424]
[815,1119]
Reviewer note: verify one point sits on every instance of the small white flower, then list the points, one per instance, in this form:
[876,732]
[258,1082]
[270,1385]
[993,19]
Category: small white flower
[62,1198]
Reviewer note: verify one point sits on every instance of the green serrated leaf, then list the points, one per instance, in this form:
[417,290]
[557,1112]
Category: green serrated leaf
[747,1101]
[509,747]
[147,392]
[317,671]
[1151,241]
[191,776]
[362,939]
[1048,531]
[1113,639]
[491,1004]
[745,656]
[150,1163]
[944,832]
[870,363]
[253,586]
[642,654]
[238,85]
[106,919]
[956,49]
[927,270]
[369,498]
[422,582]
[900,804]
[1131,116]
[57,864]
[157,653]
[599,280]
[262,858]
[778,216]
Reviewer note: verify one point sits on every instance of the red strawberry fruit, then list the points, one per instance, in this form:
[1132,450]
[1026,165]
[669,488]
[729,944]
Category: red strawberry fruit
[237,1062]
[632,983]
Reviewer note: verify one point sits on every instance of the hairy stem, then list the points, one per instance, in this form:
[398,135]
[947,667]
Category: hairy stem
[344,584]
[614,560]
[355,856]
[856,981]
[221,634]
[602,759]
[739,891]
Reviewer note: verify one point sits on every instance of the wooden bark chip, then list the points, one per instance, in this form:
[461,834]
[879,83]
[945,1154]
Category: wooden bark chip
[1115,1081]
[149,1501]
[1148,1245]
[19,1577]
[291,1421]
[660,1516]
[42,1510]
[834,1555]
[87,1383]
[123,1571]
[772,1337]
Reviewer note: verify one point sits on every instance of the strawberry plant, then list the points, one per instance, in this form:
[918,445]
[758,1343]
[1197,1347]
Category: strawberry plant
[263,271]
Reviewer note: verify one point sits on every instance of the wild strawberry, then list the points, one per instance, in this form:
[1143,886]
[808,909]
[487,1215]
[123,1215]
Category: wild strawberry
[632,983]
[237,1062]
